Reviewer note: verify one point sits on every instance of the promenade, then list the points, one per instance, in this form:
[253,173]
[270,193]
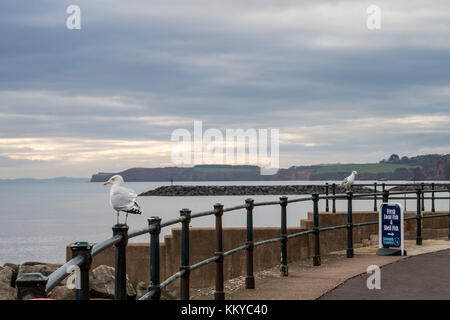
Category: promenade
[425,277]
[423,274]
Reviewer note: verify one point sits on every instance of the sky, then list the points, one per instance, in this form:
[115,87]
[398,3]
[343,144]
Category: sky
[108,96]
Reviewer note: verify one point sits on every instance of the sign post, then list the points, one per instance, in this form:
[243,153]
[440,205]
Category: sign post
[391,230]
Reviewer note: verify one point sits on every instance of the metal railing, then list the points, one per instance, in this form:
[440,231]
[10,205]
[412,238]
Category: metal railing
[36,285]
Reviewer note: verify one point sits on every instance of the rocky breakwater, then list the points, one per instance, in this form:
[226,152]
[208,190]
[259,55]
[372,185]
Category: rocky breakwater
[101,281]
[10,272]
[413,188]
[179,190]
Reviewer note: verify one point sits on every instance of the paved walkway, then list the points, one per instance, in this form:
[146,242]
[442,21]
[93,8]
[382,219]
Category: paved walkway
[425,276]
[308,282]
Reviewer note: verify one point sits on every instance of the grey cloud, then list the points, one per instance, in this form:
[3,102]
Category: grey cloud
[228,63]
[11,162]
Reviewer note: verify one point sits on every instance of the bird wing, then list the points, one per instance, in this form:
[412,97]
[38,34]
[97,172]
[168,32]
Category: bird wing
[345,181]
[122,198]
[135,209]
[351,179]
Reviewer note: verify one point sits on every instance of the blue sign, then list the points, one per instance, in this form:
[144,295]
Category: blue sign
[391,225]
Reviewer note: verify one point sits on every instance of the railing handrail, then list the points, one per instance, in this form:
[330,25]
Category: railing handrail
[61,273]
[267,241]
[380,183]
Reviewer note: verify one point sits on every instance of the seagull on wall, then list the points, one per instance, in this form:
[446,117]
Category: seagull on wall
[349,181]
[121,198]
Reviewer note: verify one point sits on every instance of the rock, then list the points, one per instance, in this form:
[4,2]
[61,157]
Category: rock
[373,239]
[169,295]
[7,276]
[7,292]
[102,283]
[15,268]
[12,266]
[142,289]
[62,293]
[30,267]
[37,263]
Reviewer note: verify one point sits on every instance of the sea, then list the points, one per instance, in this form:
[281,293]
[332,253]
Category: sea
[39,219]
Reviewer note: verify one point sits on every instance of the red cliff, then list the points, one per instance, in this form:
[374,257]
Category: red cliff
[441,169]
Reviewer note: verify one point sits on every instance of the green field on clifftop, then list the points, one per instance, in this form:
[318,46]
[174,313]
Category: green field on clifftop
[224,170]
[364,168]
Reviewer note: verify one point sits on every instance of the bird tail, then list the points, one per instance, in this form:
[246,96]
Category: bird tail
[135,209]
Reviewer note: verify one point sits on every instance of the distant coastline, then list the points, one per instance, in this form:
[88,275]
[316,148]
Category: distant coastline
[424,167]
[49,180]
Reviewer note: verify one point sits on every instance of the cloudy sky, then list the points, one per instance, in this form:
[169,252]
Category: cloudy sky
[107,97]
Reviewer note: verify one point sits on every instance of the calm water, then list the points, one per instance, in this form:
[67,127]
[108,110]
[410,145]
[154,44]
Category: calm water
[40,219]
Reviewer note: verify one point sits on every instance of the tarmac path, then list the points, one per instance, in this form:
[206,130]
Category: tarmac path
[425,276]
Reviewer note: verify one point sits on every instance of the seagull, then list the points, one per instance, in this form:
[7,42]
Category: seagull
[349,181]
[121,198]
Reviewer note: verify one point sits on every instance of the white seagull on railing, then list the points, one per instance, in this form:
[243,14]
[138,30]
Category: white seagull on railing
[349,181]
[121,198]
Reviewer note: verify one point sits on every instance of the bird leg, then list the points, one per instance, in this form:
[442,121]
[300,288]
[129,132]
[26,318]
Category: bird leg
[117,217]
[126,217]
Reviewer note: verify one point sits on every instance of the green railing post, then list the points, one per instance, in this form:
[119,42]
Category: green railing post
[316,258]
[385,199]
[185,264]
[433,209]
[423,196]
[31,286]
[120,262]
[334,199]
[327,206]
[83,249]
[385,196]
[375,207]
[283,231]
[349,225]
[155,277]
[418,219]
[249,279]
[219,294]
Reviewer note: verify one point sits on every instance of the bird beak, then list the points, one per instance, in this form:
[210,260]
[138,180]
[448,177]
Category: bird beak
[107,182]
